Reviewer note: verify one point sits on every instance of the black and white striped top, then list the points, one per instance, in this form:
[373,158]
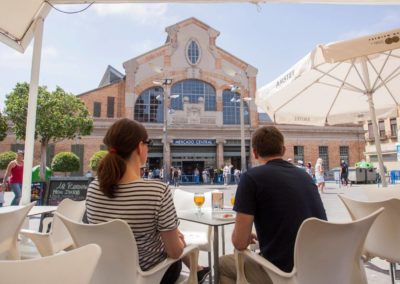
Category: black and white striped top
[146,206]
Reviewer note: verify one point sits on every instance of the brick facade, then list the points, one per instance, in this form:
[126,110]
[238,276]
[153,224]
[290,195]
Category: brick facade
[218,68]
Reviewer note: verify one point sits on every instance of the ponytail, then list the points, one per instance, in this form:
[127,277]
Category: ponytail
[111,169]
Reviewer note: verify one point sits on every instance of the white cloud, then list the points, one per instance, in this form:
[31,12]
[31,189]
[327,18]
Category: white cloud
[141,13]
[389,21]
[12,59]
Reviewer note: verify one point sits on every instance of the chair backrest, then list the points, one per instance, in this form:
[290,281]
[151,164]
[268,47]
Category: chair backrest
[75,266]
[119,260]
[60,236]
[381,194]
[10,225]
[330,253]
[383,238]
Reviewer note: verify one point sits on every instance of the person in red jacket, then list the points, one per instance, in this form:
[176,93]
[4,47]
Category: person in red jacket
[15,171]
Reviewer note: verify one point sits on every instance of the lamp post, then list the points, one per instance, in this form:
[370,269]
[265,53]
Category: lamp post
[241,100]
[165,97]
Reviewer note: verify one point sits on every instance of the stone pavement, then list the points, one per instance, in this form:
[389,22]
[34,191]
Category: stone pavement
[377,270]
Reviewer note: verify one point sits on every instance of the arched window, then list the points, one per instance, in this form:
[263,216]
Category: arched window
[193,52]
[231,108]
[148,108]
[193,89]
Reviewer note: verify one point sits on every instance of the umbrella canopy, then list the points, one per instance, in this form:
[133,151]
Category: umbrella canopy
[17,17]
[343,82]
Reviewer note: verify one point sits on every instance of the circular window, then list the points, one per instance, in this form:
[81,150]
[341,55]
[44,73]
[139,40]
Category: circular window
[193,52]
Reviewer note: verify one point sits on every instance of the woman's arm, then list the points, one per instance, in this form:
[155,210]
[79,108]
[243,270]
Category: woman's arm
[8,171]
[173,243]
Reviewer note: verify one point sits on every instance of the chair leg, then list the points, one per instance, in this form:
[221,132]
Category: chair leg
[392,272]
[210,265]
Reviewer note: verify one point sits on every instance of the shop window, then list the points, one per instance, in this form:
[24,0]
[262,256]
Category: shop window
[344,154]
[149,107]
[298,153]
[193,52]
[393,127]
[110,106]
[370,131]
[381,128]
[323,153]
[96,109]
[231,108]
[193,90]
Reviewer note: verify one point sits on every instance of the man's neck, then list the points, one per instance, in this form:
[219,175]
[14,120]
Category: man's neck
[265,160]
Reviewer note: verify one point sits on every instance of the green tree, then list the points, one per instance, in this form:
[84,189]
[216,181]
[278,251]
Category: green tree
[95,160]
[3,127]
[60,115]
[6,158]
[65,162]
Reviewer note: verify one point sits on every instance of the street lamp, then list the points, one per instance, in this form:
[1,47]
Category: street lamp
[235,89]
[165,97]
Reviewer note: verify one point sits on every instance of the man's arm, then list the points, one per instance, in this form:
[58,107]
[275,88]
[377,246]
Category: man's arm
[242,235]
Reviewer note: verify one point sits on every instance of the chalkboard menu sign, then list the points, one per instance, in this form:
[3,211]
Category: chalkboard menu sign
[74,188]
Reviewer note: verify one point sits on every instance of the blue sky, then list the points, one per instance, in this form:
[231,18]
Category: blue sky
[272,37]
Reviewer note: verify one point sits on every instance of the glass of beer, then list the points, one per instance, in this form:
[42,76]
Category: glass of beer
[232,199]
[199,201]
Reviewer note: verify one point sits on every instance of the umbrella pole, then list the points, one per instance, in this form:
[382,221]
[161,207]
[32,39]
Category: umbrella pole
[31,116]
[377,138]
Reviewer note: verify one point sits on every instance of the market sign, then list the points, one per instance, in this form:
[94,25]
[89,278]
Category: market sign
[196,142]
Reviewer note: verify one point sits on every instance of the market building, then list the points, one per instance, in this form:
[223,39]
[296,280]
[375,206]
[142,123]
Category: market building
[206,89]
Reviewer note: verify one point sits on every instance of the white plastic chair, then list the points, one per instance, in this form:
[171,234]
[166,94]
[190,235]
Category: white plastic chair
[58,238]
[10,224]
[324,252]
[383,239]
[202,235]
[76,266]
[119,262]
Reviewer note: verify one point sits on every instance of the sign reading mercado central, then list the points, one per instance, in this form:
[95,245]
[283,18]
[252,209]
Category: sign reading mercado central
[199,142]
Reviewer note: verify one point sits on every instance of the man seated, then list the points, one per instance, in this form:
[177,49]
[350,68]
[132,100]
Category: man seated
[277,196]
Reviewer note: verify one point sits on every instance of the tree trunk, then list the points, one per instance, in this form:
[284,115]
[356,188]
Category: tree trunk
[43,159]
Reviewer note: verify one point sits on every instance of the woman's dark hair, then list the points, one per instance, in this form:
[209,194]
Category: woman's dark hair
[122,138]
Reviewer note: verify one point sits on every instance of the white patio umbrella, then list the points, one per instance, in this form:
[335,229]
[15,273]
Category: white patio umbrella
[342,82]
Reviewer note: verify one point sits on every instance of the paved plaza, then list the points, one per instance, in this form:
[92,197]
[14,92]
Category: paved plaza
[377,270]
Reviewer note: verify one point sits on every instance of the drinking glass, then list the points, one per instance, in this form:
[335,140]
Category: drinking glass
[199,201]
[232,199]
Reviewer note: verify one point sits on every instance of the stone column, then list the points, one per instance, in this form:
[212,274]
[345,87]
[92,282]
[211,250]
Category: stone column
[220,152]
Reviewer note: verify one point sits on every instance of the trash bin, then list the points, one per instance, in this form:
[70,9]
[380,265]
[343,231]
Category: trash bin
[394,176]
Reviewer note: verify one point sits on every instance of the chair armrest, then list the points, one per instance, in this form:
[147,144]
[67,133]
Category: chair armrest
[33,234]
[41,240]
[191,251]
[277,275]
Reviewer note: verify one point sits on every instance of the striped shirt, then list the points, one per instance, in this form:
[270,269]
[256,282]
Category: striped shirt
[146,206]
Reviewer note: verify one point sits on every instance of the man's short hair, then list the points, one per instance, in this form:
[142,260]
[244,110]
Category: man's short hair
[268,141]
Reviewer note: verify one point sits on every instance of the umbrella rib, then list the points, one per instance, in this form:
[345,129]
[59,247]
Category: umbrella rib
[350,86]
[338,92]
[305,88]
[378,77]
[384,82]
[361,78]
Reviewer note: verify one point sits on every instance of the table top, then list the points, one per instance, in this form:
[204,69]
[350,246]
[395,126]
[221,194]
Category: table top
[209,217]
[36,210]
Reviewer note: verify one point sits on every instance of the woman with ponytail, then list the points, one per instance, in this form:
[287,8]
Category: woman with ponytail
[119,192]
